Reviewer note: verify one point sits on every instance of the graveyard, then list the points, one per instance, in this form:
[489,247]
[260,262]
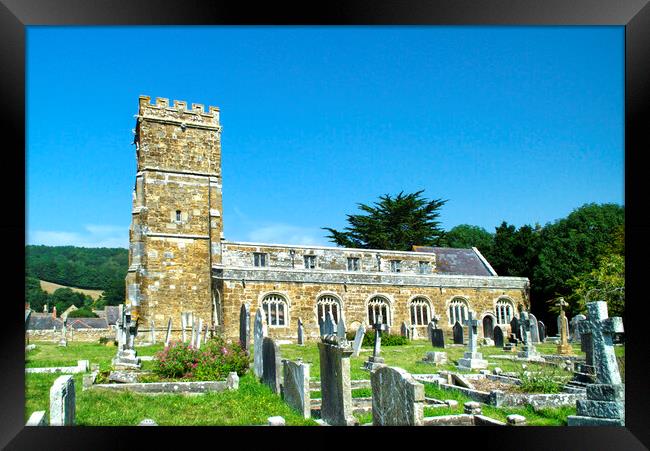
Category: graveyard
[337,381]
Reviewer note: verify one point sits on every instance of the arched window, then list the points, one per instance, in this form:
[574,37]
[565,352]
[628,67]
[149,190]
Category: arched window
[505,311]
[326,304]
[379,306]
[275,309]
[458,311]
[420,311]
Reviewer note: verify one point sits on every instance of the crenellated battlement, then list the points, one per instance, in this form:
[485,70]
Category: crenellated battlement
[179,112]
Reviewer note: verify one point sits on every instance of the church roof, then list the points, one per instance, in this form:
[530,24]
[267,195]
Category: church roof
[87,323]
[453,261]
[43,321]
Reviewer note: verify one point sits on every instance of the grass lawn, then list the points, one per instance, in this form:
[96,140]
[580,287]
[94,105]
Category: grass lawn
[254,402]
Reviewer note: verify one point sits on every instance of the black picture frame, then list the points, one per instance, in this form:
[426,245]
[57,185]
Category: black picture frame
[634,15]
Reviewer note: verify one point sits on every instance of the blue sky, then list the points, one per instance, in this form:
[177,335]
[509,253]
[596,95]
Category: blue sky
[516,124]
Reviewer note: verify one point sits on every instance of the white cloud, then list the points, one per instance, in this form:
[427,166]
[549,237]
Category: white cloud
[286,234]
[93,236]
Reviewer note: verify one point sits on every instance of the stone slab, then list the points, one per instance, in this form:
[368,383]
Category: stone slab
[62,402]
[37,418]
[397,398]
[579,420]
[167,387]
[295,389]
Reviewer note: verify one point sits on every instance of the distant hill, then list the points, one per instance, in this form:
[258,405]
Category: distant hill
[86,268]
[50,288]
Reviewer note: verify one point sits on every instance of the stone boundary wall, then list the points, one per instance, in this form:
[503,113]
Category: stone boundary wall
[83,335]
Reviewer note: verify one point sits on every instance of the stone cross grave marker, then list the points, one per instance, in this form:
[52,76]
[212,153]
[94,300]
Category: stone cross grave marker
[272,364]
[62,402]
[472,359]
[605,403]
[602,329]
[295,389]
[525,324]
[245,326]
[168,335]
[397,398]
[259,332]
[458,333]
[498,336]
[563,348]
[126,357]
[301,332]
[358,340]
[374,361]
[534,328]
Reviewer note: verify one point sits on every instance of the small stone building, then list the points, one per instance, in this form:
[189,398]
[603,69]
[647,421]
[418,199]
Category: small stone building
[179,260]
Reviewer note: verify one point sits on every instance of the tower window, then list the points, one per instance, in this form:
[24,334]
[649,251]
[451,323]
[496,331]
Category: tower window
[424,268]
[310,261]
[178,215]
[259,259]
[353,264]
[395,265]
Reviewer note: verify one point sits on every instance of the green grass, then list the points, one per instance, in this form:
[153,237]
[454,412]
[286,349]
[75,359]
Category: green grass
[254,402]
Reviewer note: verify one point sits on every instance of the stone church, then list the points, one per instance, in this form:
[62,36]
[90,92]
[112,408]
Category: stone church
[180,261]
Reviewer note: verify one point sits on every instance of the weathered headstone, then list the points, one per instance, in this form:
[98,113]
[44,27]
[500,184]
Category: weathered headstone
[605,403]
[168,336]
[397,398]
[63,341]
[205,334]
[199,329]
[340,330]
[295,388]
[62,402]
[272,364]
[436,335]
[528,350]
[458,333]
[566,324]
[498,336]
[563,348]
[515,328]
[126,357]
[472,359]
[435,358]
[405,330]
[534,328]
[301,332]
[183,326]
[37,418]
[336,393]
[329,325]
[259,332]
[575,334]
[375,361]
[542,331]
[414,335]
[358,340]
[245,326]
[193,334]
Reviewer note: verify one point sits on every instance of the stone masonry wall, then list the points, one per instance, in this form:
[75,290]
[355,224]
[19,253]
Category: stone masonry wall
[302,298]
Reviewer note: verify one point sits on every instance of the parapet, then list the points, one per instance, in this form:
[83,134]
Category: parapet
[179,112]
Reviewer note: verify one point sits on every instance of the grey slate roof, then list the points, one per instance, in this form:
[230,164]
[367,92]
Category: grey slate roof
[87,323]
[43,321]
[454,261]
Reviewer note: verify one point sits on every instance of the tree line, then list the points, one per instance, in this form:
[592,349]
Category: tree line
[580,257]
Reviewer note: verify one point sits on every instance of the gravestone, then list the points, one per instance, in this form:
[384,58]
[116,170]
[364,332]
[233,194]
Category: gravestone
[375,361]
[63,341]
[541,331]
[605,403]
[62,402]
[458,333]
[329,325]
[205,334]
[272,364]
[575,334]
[168,336]
[37,418]
[336,393]
[126,357]
[563,348]
[193,334]
[397,398]
[414,333]
[534,328]
[301,332]
[152,331]
[405,331]
[183,326]
[197,339]
[295,389]
[515,328]
[528,350]
[431,326]
[259,332]
[358,340]
[435,358]
[245,326]
[566,324]
[340,329]
[436,335]
[498,336]
[472,359]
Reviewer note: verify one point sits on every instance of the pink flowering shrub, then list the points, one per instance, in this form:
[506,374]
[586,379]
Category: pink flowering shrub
[213,361]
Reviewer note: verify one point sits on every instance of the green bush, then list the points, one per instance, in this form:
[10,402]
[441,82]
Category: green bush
[386,339]
[212,362]
[82,313]
[541,382]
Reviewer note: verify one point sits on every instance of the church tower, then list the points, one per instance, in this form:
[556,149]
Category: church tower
[176,226]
